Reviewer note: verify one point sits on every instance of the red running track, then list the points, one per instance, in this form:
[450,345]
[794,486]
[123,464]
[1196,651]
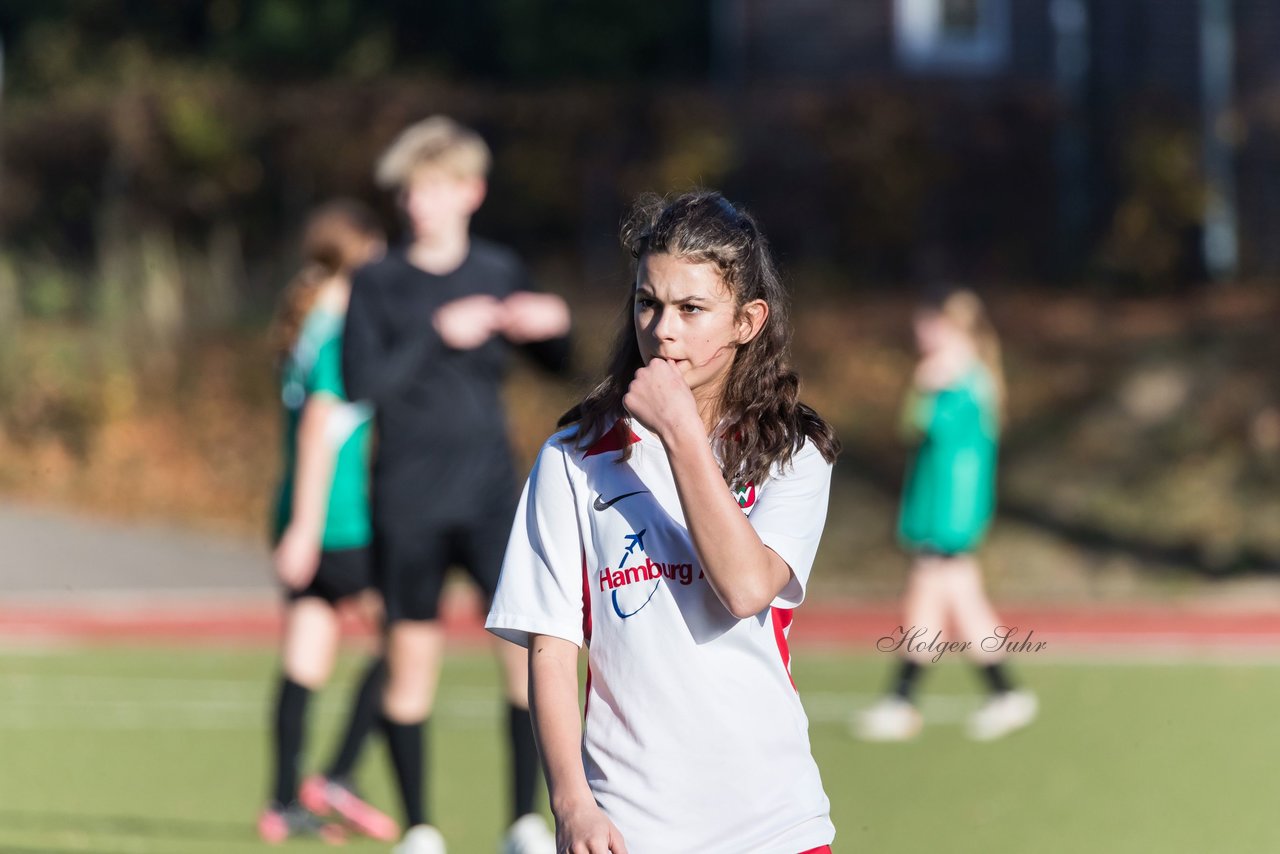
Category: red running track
[851,626]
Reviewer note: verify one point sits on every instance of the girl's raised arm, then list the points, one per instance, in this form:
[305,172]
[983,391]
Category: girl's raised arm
[746,573]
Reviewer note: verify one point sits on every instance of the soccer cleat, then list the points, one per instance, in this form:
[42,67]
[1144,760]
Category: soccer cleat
[1003,714]
[529,835]
[421,839]
[277,824]
[328,797]
[891,719]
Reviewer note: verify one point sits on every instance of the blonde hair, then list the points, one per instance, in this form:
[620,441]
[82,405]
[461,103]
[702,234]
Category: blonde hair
[335,241]
[438,141]
[966,310]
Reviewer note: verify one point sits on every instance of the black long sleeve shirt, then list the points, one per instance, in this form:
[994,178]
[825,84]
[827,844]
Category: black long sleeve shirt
[440,421]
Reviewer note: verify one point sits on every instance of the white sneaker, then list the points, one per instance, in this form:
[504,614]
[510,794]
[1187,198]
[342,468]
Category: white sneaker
[420,839]
[529,835]
[891,719]
[1003,714]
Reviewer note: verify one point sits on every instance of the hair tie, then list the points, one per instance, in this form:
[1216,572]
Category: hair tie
[727,206]
[739,219]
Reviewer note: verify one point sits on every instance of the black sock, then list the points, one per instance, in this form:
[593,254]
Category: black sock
[909,673]
[364,714]
[291,712]
[405,742]
[997,678]
[524,761]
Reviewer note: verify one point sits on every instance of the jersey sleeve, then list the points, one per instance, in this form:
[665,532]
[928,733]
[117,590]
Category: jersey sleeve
[955,413]
[789,516]
[540,589]
[962,411]
[326,373]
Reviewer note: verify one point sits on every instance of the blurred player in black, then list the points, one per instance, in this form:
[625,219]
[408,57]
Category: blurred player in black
[428,333]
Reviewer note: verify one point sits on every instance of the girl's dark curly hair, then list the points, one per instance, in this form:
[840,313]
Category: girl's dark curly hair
[762,420]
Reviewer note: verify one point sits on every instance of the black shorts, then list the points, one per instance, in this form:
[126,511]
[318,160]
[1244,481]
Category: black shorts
[342,573]
[412,561]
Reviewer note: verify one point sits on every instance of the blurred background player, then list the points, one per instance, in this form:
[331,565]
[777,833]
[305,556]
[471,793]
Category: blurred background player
[428,334]
[322,525]
[953,415]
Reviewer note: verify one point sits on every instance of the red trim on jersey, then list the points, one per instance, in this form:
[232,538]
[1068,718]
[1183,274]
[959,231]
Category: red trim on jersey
[586,627]
[586,602]
[618,437]
[826,849]
[781,625]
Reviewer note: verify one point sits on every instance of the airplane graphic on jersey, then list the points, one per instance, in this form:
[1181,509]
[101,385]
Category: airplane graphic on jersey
[634,541]
[630,591]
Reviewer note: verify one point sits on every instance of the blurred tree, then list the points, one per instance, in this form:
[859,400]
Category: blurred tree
[53,42]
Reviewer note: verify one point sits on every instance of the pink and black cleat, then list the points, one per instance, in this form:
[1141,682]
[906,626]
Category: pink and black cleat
[278,824]
[329,797]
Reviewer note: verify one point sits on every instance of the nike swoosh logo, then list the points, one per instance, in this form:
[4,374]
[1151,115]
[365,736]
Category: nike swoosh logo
[601,504]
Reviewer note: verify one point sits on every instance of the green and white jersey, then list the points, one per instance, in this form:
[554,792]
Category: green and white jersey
[315,367]
[949,497]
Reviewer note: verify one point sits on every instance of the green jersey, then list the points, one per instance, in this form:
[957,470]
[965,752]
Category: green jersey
[949,497]
[315,367]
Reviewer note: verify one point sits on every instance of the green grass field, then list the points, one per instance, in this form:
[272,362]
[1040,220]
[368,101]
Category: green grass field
[163,750]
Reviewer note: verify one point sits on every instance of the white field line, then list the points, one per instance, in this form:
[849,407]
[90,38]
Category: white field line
[99,715]
[828,707]
[38,701]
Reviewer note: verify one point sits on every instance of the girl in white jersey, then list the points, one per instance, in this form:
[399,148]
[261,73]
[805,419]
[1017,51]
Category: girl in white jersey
[671,529]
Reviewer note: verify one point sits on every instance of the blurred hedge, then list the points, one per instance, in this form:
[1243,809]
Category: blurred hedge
[856,178]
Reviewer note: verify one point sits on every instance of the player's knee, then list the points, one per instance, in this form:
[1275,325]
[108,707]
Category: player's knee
[405,704]
[311,674]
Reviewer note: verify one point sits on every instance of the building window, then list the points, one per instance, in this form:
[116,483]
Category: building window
[960,36]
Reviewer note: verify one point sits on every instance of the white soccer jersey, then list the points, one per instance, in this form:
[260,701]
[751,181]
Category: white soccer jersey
[694,739]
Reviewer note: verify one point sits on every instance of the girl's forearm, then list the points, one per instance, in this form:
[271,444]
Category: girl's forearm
[313,474]
[557,725]
[744,572]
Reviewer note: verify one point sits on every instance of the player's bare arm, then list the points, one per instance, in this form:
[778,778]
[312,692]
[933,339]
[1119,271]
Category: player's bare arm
[297,556]
[581,826]
[745,573]
[467,323]
[528,316]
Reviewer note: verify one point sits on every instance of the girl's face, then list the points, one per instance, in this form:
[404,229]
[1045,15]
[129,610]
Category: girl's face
[937,335]
[686,314]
